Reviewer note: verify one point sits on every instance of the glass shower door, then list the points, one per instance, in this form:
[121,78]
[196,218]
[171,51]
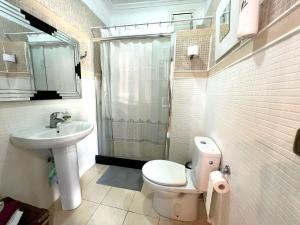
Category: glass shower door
[135,98]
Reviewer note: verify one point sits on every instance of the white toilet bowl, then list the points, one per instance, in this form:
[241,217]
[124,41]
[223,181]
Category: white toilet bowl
[176,189]
[173,188]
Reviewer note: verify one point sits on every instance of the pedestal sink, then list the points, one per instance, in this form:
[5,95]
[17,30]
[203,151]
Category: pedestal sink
[62,141]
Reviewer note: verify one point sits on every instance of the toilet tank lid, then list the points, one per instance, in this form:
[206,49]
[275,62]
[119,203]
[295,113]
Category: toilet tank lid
[207,147]
[165,173]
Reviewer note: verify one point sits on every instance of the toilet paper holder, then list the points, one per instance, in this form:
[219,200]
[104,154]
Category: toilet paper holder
[226,170]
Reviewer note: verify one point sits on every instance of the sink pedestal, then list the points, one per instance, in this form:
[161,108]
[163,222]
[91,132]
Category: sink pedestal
[63,145]
[67,170]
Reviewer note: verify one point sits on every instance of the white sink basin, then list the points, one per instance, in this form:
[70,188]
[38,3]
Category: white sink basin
[62,141]
[49,138]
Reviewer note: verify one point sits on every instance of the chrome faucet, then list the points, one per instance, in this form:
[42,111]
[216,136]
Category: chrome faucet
[54,120]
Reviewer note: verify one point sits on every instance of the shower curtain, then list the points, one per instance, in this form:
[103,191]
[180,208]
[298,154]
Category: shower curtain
[135,97]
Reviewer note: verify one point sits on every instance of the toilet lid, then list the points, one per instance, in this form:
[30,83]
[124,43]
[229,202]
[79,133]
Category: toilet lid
[165,173]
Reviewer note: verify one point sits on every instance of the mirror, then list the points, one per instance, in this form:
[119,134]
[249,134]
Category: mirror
[36,61]
[225,22]
[226,27]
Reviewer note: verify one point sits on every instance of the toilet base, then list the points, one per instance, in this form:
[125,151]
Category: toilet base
[177,206]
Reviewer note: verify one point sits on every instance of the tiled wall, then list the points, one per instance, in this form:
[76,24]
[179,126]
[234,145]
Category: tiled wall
[253,113]
[186,38]
[74,12]
[12,46]
[188,97]
[23,173]
[188,100]
[20,49]
[271,9]
[14,76]
[72,17]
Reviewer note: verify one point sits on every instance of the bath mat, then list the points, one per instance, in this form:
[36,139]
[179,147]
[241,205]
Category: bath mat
[122,177]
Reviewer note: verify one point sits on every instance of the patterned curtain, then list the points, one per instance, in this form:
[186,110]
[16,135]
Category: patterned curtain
[135,97]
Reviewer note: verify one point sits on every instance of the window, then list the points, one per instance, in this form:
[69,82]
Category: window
[185,25]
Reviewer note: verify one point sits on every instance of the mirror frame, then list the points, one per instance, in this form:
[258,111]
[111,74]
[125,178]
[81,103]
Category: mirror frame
[224,14]
[231,39]
[25,19]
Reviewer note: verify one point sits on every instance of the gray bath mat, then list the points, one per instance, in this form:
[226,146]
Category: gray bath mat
[122,177]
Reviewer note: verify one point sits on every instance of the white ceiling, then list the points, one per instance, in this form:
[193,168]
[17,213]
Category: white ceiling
[141,3]
[129,1]
[113,12]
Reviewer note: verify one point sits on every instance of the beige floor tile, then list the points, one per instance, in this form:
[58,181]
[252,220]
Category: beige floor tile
[106,215]
[99,168]
[138,219]
[169,222]
[93,174]
[95,192]
[146,190]
[119,198]
[79,216]
[142,204]
[87,177]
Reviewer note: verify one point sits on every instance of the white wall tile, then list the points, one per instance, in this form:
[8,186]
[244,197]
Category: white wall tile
[23,173]
[253,113]
[188,101]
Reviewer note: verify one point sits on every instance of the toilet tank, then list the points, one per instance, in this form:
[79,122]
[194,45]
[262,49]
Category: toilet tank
[206,158]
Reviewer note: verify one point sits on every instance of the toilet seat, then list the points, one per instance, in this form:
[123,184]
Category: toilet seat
[176,190]
[165,173]
[156,177]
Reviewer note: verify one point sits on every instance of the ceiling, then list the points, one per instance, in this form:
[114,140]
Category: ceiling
[143,9]
[124,3]
[129,1]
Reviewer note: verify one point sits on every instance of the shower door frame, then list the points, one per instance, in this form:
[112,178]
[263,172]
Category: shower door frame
[126,162]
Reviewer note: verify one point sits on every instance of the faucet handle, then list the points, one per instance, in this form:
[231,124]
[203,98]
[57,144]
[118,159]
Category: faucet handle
[55,115]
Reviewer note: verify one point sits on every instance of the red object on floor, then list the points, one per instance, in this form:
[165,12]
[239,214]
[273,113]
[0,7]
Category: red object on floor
[31,215]
[10,206]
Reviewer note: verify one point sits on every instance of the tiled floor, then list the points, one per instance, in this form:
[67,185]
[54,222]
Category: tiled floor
[105,205]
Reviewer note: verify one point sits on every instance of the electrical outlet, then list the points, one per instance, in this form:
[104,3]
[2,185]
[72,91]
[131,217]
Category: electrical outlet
[9,58]
[297,143]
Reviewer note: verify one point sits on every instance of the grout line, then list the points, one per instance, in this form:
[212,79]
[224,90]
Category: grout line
[114,207]
[92,170]
[144,214]
[92,215]
[89,181]
[99,203]
[110,187]
[125,217]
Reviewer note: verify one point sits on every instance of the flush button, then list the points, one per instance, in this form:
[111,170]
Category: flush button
[210,162]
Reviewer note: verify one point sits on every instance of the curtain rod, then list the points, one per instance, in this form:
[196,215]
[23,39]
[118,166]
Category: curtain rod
[141,36]
[161,22]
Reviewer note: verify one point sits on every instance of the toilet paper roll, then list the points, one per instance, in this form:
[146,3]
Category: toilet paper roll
[193,50]
[216,183]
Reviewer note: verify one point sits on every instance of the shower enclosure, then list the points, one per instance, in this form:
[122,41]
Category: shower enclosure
[134,99]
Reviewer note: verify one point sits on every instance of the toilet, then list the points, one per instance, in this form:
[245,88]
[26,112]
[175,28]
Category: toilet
[176,188]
